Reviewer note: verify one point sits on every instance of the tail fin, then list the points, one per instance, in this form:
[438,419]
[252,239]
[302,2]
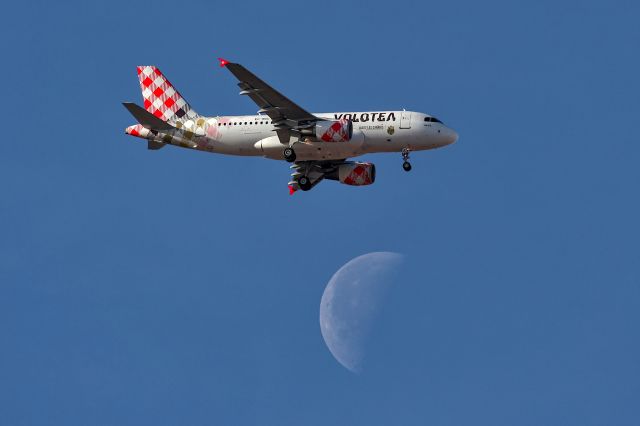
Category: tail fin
[160,98]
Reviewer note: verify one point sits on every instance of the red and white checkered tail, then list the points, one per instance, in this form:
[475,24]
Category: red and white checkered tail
[160,97]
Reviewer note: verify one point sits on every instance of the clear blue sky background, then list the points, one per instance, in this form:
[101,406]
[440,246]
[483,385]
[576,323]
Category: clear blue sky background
[178,287]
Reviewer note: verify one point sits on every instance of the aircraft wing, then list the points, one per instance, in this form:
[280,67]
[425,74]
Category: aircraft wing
[287,116]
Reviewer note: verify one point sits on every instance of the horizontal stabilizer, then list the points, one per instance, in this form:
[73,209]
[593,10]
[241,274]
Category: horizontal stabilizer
[155,145]
[145,118]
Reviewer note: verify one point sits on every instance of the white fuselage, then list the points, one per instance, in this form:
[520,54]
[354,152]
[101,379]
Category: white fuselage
[254,135]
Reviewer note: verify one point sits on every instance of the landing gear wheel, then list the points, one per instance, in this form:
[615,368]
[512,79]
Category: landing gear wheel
[405,157]
[289,155]
[304,183]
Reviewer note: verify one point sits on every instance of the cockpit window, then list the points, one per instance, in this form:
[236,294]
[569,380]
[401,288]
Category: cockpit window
[432,120]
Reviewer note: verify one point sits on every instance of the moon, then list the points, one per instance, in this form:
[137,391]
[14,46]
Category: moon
[350,302]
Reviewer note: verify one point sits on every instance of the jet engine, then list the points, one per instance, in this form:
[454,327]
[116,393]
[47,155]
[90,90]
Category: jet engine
[356,174]
[334,131]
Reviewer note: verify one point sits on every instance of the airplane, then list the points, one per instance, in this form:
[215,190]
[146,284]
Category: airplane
[317,144]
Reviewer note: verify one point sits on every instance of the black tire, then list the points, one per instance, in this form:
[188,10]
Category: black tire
[304,183]
[406,166]
[289,155]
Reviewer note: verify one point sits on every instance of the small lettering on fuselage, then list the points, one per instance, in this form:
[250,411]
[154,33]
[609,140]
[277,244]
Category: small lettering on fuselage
[367,116]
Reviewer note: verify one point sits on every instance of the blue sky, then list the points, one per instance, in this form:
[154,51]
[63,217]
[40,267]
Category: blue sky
[177,287]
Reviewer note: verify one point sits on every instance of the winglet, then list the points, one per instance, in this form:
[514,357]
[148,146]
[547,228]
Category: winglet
[223,62]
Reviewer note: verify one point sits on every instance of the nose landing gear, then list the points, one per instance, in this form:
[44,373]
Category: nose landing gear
[406,165]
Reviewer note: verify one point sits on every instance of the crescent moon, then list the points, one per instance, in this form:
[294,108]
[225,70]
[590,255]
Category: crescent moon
[350,302]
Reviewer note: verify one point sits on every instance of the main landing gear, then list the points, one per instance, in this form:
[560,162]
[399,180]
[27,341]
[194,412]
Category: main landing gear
[289,154]
[406,165]
[304,183]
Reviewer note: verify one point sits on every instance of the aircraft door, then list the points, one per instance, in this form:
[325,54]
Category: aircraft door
[405,120]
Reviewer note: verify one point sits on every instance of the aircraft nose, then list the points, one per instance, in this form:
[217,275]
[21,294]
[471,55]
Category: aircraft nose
[450,136]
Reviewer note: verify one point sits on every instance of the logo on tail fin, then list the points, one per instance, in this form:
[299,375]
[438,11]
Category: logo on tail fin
[161,98]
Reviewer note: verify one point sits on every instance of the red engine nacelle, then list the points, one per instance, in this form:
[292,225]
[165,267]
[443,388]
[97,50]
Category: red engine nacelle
[357,174]
[334,131]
